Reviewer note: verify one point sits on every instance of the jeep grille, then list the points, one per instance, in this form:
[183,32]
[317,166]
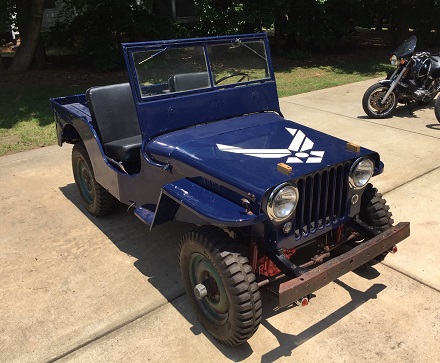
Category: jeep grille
[322,200]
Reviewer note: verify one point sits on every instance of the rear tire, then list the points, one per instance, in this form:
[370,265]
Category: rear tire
[371,101]
[437,109]
[98,201]
[376,213]
[231,308]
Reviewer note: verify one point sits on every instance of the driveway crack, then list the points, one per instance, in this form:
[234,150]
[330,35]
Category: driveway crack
[178,295]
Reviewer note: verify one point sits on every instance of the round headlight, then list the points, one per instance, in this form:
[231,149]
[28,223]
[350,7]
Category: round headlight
[282,202]
[393,60]
[361,172]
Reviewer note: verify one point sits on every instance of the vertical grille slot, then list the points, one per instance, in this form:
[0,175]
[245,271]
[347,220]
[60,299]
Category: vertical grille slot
[322,200]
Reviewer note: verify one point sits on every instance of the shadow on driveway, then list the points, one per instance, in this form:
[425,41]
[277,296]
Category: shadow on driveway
[156,257]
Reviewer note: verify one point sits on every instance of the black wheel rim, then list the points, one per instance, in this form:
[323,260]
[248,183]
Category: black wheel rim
[86,184]
[216,304]
[375,101]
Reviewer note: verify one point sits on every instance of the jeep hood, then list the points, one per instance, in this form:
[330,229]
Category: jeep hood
[243,152]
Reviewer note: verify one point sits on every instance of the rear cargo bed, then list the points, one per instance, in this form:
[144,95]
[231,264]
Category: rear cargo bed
[69,106]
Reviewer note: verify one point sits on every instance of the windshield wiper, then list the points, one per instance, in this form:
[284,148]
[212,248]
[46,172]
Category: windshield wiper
[239,42]
[152,56]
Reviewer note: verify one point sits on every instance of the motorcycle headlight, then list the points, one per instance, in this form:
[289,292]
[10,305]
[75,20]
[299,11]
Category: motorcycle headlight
[393,60]
[361,172]
[282,202]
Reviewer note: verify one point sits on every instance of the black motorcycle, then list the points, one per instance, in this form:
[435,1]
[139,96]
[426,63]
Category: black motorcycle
[416,78]
[437,109]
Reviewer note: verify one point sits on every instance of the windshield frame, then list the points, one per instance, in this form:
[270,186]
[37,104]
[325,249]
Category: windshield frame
[157,47]
[167,112]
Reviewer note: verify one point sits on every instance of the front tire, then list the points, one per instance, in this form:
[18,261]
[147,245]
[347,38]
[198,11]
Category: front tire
[220,285]
[376,213]
[96,199]
[371,102]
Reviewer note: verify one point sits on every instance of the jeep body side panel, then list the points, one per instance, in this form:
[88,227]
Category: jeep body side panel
[73,118]
[73,112]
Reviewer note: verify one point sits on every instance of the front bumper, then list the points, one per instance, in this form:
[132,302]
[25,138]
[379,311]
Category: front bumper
[298,287]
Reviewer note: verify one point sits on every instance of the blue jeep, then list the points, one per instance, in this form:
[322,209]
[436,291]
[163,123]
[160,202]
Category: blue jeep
[197,135]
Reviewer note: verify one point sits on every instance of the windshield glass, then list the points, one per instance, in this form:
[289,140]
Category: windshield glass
[170,70]
[238,62]
[156,69]
[407,47]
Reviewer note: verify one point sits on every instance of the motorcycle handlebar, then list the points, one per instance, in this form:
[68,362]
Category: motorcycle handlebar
[421,54]
[426,54]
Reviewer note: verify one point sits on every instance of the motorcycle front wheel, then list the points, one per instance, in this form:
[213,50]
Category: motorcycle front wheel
[372,101]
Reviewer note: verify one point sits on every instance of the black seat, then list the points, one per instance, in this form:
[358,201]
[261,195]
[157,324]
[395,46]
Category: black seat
[188,81]
[114,115]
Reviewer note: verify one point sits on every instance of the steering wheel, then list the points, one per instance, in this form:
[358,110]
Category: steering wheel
[243,76]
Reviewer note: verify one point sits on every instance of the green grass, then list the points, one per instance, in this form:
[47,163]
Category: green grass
[313,73]
[26,120]
[305,80]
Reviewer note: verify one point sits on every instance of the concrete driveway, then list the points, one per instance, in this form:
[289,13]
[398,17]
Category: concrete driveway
[80,289]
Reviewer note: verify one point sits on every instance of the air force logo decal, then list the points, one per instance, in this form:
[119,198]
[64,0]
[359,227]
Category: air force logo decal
[299,151]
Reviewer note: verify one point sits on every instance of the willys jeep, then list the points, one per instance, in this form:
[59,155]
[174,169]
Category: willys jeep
[197,135]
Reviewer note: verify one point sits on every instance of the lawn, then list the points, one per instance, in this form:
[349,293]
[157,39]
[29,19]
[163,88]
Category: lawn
[26,120]
[25,117]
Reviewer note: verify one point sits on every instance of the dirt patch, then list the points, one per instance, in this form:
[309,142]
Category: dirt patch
[9,139]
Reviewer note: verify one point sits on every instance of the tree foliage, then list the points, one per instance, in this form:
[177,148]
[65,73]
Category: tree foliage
[8,9]
[221,17]
[6,14]
[28,15]
[95,28]
[319,24]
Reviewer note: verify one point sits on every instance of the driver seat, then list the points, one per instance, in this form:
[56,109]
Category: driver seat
[188,81]
[115,119]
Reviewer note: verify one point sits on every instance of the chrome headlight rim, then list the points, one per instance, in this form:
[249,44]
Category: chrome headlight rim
[394,61]
[354,168]
[270,208]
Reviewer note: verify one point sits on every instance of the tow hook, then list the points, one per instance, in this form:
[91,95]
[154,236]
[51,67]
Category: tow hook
[393,249]
[304,301]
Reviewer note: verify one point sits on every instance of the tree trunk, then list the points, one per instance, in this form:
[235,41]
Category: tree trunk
[39,61]
[278,25]
[379,22]
[403,21]
[2,65]
[29,19]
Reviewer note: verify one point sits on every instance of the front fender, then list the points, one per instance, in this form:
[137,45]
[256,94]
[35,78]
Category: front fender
[204,204]
[385,82]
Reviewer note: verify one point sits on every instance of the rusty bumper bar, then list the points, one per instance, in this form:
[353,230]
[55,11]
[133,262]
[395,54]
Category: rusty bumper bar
[329,271]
